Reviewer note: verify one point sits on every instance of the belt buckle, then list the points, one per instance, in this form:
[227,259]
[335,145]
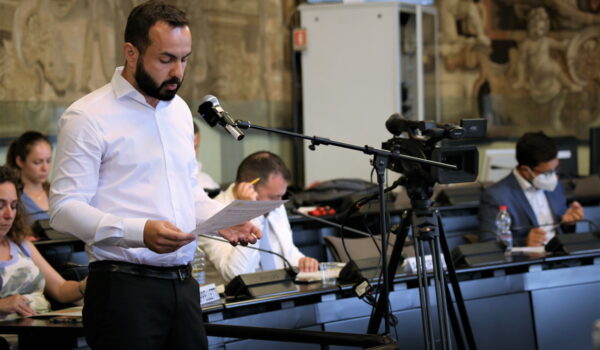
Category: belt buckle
[180,274]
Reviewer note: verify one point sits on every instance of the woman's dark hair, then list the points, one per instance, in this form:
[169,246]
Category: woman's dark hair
[19,230]
[21,147]
[534,148]
[145,15]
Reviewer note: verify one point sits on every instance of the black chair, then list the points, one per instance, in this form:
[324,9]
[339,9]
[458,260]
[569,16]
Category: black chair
[62,251]
[359,248]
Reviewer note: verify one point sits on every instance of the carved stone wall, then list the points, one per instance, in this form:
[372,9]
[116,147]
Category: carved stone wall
[493,63]
[52,52]
[522,64]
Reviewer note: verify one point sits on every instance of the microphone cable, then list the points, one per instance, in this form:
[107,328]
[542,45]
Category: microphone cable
[356,207]
[291,270]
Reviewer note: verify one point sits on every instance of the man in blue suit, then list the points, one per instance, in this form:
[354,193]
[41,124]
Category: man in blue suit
[536,201]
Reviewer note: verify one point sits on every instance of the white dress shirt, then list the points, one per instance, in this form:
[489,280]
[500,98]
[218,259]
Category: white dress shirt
[120,162]
[232,261]
[539,204]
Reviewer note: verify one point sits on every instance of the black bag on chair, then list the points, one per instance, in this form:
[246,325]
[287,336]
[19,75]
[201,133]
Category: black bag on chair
[338,193]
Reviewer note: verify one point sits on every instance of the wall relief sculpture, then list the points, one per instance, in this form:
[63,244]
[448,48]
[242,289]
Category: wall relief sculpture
[538,69]
[54,51]
[57,51]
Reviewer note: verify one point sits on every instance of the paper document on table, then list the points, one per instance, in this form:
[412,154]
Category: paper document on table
[529,249]
[74,311]
[237,212]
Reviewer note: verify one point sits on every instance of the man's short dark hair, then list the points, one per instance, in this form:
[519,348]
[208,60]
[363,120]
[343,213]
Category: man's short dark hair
[145,15]
[534,148]
[262,164]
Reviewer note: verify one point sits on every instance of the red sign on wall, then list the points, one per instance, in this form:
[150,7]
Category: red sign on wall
[299,39]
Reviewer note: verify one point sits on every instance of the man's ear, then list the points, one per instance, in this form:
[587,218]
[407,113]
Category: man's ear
[524,171]
[131,54]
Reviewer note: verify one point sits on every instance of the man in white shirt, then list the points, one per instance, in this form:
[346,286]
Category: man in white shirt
[125,184]
[536,201]
[261,176]
[205,180]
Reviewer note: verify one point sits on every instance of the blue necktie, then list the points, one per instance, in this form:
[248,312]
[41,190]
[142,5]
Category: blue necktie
[267,260]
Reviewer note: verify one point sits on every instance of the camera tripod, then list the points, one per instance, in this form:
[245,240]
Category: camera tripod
[380,163]
[427,227]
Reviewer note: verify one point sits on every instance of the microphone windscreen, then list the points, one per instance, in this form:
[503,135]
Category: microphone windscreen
[395,124]
[208,113]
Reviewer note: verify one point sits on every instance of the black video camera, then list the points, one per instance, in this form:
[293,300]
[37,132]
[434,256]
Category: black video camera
[422,139]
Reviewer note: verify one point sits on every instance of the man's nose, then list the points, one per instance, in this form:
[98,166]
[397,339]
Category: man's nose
[177,70]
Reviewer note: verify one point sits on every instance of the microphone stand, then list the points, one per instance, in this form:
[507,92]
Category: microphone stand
[380,162]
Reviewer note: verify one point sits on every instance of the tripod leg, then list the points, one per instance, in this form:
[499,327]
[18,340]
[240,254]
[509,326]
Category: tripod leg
[458,335]
[381,308]
[460,302]
[424,294]
[442,301]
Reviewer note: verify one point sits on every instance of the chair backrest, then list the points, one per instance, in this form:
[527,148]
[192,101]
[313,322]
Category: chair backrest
[358,248]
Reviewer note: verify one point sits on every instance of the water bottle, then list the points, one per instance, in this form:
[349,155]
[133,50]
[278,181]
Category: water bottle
[198,266]
[503,232]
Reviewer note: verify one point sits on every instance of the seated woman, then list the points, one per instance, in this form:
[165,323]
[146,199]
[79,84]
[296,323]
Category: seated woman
[31,154]
[24,274]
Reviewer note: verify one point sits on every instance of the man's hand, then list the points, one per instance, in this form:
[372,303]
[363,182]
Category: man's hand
[245,191]
[241,234]
[16,303]
[536,237]
[164,237]
[574,213]
[307,264]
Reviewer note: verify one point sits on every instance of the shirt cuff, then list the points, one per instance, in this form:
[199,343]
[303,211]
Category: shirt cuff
[133,232]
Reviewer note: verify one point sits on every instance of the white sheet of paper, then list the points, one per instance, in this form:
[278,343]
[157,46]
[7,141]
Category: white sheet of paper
[529,249]
[74,311]
[237,212]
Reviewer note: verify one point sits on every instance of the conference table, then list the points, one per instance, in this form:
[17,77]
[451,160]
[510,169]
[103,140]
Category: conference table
[532,302]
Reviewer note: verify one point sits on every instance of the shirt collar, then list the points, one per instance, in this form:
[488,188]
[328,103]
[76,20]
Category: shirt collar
[123,88]
[525,185]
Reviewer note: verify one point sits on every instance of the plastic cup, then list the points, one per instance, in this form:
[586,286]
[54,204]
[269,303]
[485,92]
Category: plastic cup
[329,273]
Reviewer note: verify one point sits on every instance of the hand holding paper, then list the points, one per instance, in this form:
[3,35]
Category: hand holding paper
[241,234]
[231,221]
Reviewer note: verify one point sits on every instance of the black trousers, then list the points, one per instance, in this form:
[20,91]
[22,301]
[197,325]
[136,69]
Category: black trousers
[123,311]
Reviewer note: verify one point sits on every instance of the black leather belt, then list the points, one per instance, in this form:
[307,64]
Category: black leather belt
[180,272]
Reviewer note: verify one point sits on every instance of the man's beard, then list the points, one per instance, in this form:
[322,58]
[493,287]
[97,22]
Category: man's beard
[147,84]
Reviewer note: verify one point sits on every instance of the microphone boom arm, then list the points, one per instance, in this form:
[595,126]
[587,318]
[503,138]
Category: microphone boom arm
[316,140]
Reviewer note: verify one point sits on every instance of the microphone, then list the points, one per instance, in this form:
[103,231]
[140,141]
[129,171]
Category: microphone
[210,109]
[551,226]
[396,124]
[291,270]
[501,167]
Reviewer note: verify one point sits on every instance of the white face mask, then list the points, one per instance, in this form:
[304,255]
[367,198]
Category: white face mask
[546,181]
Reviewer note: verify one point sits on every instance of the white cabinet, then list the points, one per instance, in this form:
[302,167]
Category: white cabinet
[357,58]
